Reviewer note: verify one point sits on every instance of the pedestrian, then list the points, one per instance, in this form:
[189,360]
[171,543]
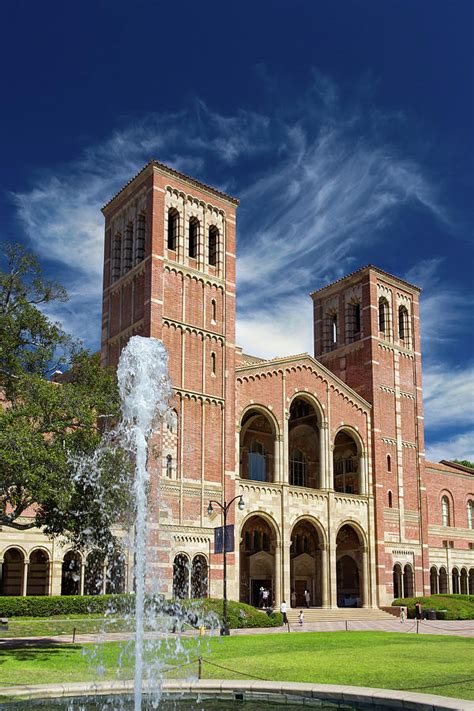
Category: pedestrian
[301,617]
[293,598]
[418,610]
[265,597]
[283,612]
[402,614]
[307,597]
[260,596]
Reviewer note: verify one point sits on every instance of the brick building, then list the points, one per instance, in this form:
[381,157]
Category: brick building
[327,451]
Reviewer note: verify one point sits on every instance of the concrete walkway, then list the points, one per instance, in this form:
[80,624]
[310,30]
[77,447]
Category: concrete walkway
[460,628]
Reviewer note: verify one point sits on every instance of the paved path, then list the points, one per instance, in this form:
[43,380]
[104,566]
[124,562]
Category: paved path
[461,628]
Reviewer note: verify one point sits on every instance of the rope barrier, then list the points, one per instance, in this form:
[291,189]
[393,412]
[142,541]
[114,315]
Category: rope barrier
[234,671]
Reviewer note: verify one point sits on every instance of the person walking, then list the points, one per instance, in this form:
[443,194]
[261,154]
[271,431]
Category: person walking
[307,597]
[266,597]
[293,598]
[283,612]
[402,614]
[301,617]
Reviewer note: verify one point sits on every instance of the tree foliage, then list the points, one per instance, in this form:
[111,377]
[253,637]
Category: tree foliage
[53,462]
[464,462]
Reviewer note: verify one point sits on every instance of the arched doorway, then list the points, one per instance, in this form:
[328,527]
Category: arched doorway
[94,573]
[443,581]
[349,564]
[199,577]
[181,576]
[257,560]
[38,574]
[471,581]
[12,572]
[71,574]
[397,581]
[434,586]
[303,445]
[306,563]
[408,581]
[115,577]
[258,447]
[464,582]
[455,579]
[346,464]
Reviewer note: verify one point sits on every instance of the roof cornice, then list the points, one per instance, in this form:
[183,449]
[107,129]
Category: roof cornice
[368,268]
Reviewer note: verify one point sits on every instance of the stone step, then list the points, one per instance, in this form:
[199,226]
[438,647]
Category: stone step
[315,614]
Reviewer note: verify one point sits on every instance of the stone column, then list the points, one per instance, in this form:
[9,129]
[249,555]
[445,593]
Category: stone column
[55,579]
[277,591]
[277,474]
[323,456]
[104,578]
[363,488]
[365,579]
[203,242]
[324,577]
[332,577]
[331,466]
[285,458]
[24,582]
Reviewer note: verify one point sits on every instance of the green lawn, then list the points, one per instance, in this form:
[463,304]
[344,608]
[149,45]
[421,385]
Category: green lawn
[53,626]
[429,664]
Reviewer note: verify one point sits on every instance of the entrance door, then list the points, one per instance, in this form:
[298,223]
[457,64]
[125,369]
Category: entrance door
[300,587]
[255,597]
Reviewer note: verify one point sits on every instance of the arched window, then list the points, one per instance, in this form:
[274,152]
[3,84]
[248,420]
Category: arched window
[384,316]
[408,587]
[443,581]
[455,581]
[470,507]
[389,463]
[140,241]
[390,500]
[257,462]
[193,237]
[334,330]
[213,246]
[434,586]
[213,310]
[297,468]
[181,577]
[128,248]
[173,229]
[445,511]
[397,581]
[403,324]
[116,257]
[213,363]
[169,466]
[199,577]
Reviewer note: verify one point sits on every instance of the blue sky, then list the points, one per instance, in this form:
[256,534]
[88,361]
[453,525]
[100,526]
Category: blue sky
[345,127]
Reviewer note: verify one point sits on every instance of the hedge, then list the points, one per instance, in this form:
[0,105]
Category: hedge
[194,612]
[448,607]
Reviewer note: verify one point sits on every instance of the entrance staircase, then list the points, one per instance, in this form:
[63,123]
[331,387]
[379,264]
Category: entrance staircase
[340,614]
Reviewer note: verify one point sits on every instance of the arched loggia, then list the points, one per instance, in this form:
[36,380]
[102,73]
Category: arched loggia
[259,454]
[258,565]
[304,446]
[351,568]
[349,463]
[308,564]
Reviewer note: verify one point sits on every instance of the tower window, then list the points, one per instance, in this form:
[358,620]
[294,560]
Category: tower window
[173,227]
[389,463]
[212,245]
[445,511]
[297,468]
[470,511]
[193,237]
[140,241]
[169,466]
[390,500]
[403,323]
[384,314]
[213,363]
[116,257]
[353,321]
[128,248]
[334,330]
[213,310]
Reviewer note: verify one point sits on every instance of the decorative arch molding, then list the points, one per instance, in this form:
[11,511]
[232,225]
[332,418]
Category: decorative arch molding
[16,546]
[361,450]
[266,412]
[312,400]
[42,549]
[358,529]
[268,518]
[316,523]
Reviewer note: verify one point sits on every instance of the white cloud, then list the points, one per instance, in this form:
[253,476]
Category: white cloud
[460,446]
[448,396]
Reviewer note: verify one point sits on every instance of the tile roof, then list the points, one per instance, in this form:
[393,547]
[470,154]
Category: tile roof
[176,174]
[362,269]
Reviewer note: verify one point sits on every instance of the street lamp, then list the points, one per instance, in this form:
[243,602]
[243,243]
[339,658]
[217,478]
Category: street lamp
[225,508]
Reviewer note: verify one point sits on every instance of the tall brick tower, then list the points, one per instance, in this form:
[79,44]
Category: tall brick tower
[169,273]
[367,332]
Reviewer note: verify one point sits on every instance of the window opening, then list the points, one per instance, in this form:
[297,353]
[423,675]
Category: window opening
[213,363]
[389,463]
[173,226]
[193,237]
[116,257]
[297,468]
[213,310]
[334,330]
[470,507]
[383,316]
[390,500]
[140,242]
[403,323]
[444,511]
[212,245]
[128,248]
[169,466]
[257,462]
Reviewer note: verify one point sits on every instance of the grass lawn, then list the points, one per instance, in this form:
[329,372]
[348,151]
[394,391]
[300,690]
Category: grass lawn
[53,626]
[429,664]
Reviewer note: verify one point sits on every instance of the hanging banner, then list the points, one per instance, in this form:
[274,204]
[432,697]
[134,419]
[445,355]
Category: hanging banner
[219,539]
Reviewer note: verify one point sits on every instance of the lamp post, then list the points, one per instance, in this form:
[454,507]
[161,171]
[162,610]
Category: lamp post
[225,508]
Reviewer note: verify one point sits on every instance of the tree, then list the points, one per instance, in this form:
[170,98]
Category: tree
[55,460]
[464,462]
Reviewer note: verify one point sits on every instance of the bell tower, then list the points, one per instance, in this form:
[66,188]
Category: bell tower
[169,273]
[367,332]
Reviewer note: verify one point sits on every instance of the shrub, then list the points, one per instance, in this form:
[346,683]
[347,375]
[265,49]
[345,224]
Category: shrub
[47,606]
[448,607]
[239,614]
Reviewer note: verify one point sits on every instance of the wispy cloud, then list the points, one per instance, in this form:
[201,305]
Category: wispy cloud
[459,446]
[448,396]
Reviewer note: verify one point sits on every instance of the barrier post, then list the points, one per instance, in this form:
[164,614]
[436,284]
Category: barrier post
[200,668]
